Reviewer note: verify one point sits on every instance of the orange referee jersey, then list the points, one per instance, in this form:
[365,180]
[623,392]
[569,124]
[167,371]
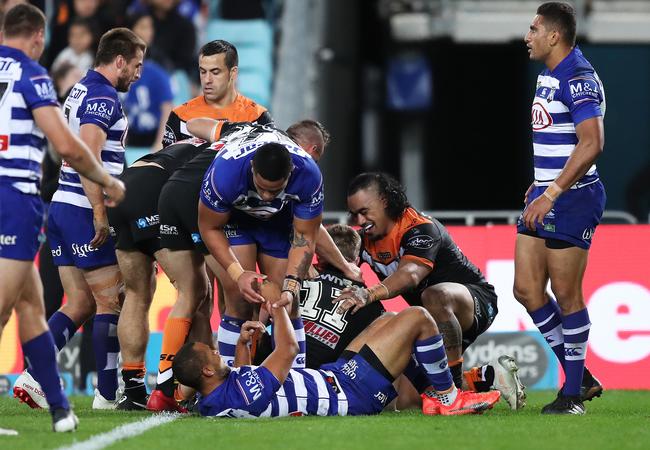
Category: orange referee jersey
[243,109]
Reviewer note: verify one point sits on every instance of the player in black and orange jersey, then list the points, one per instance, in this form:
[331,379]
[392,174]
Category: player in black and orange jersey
[218,61]
[414,256]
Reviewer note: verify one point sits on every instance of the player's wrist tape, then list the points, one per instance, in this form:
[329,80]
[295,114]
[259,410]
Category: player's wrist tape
[378,292]
[235,270]
[291,284]
[552,192]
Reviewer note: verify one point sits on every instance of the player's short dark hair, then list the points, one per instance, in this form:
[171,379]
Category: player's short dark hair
[387,187]
[118,41]
[219,46]
[305,129]
[347,240]
[561,17]
[187,366]
[23,20]
[272,162]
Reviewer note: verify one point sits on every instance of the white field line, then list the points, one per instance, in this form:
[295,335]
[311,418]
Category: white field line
[103,440]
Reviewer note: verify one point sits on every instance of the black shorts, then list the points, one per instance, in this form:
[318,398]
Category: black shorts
[178,206]
[134,222]
[485,310]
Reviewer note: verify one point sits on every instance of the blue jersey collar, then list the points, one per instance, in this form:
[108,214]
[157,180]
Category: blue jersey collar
[568,61]
[93,75]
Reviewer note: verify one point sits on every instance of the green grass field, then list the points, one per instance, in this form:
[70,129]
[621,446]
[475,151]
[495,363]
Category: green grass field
[618,420]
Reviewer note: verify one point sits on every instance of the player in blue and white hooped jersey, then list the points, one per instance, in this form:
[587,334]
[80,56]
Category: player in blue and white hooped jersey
[565,202]
[78,230]
[360,384]
[261,202]
[29,113]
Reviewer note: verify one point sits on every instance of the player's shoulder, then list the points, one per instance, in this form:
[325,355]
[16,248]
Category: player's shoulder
[32,68]
[193,108]
[413,225]
[248,107]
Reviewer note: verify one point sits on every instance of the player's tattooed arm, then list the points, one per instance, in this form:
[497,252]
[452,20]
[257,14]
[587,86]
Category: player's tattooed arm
[302,269]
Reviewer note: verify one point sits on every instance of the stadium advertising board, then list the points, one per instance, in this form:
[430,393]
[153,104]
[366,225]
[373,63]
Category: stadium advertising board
[616,288]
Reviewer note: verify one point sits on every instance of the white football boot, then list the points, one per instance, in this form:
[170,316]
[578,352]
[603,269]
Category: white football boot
[28,390]
[99,402]
[64,420]
[506,381]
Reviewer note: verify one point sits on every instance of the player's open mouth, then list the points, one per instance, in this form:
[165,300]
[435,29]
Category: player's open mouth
[368,226]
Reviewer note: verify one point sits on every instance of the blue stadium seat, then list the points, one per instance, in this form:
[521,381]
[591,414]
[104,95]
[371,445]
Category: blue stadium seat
[242,33]
[181,87]
[256,86]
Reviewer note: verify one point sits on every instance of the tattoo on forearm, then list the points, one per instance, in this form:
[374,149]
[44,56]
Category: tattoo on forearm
[299,240]
[451,334]
[303,266]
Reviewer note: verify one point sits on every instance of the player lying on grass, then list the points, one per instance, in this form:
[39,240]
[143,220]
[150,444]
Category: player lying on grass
[361,385]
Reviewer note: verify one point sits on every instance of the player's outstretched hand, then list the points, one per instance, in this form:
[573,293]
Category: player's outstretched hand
[115,192]
[249,329]
[354,298]
[249,286]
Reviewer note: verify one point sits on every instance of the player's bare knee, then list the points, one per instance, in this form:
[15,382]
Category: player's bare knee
[107,287]
[438,302]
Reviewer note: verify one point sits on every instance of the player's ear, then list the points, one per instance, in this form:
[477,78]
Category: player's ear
[233,73]
[207,371]
[120,62]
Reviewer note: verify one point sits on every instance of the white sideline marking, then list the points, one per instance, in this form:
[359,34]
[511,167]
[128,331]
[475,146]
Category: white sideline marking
[129,430]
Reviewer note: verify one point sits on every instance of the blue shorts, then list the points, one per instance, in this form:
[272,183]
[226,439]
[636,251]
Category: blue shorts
[367,390]
[272,237]
[574,216]
[69,232]
[21,220]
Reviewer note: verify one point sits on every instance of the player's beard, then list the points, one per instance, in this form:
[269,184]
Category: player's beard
[123,84]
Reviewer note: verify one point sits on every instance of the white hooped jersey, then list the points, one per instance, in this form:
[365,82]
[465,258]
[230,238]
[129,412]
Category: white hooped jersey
[93,100]
[564,98]
[24,86]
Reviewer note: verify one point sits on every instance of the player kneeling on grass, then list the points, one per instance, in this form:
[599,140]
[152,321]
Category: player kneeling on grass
[359,386]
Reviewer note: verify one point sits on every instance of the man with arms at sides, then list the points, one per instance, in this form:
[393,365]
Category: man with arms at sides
[29,109]
[565,202]
[78,229]
[415,257]
[360,385]
[218,66]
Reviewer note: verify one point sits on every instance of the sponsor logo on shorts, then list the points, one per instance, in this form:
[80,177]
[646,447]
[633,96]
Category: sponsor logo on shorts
[230,231]
[421,242]
[383,398]
[169,230]
[57,252]
[82,250]
[196,238]
[588,234]
[111,231]
[147,221]
[549,227]
[350,369]
[6,239]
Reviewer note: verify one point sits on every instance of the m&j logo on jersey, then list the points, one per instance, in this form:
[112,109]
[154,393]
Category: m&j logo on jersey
[250,385]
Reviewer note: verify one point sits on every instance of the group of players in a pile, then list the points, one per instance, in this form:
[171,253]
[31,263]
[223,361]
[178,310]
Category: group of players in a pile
[230,193]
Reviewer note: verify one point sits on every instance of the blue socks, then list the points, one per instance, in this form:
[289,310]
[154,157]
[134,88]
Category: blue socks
[40,353]
[62,329]
[227,337]
[548,319]
[575,328]
[431,356]
[299,329]
[107,348]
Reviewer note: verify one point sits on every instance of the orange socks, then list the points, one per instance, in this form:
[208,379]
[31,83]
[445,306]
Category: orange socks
[174,334]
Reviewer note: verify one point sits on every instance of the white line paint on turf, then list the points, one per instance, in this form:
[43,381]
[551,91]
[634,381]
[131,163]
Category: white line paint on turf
[100,441]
